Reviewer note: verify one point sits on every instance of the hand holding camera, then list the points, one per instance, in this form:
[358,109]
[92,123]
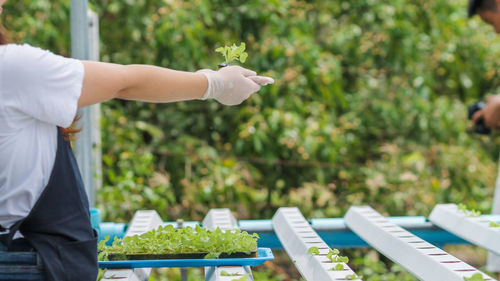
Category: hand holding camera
[486,116]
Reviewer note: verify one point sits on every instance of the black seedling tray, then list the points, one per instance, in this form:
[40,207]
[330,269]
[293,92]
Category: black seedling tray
[117,257]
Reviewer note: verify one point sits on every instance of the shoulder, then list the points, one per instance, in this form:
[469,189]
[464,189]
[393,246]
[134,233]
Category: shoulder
[23,49]
[21,61]
[18,54]
[39,83]
[26,57]
[22,64]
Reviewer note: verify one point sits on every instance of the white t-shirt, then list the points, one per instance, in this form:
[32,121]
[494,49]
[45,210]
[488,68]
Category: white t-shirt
[38,92]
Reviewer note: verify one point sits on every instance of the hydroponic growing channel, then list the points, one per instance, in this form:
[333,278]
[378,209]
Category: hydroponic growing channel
[412,242]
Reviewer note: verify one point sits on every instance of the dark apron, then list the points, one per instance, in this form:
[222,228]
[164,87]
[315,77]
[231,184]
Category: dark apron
[58,226]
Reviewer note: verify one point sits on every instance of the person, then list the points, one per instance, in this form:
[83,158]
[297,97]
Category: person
[43,205]
[488,11]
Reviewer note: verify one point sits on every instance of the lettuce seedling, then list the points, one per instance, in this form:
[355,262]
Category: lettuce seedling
[333,256]
[353,277]
[475,277]
[225,273]
[338,267]
[169,240]
[494,224]
[469,213]
[214,255]
[313,251]
[233,53]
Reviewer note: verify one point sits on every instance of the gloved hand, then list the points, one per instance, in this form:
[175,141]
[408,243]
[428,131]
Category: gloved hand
[232,85]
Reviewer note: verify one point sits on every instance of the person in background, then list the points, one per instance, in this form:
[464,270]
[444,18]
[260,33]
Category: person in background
[43,205]
[488,11]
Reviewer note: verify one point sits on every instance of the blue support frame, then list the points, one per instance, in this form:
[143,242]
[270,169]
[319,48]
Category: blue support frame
[336,234]
[332,230]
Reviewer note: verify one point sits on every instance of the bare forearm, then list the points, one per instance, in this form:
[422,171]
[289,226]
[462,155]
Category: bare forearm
[105,81]
[156,84]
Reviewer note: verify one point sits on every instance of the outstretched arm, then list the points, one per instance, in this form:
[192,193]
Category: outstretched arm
[105,81]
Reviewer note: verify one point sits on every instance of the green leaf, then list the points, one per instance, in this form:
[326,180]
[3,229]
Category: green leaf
[353,277]
[344,259]
[338,267]
[239,50]
[168,240]
[102,256]
[470,213]
[494,224]
[332,255]
[474,213]
[462,207]
[243,57]
[313,250]
[100,274]
[475,277]
[225,273]
[233,53]
[212,255]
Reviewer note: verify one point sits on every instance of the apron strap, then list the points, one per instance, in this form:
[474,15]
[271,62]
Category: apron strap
[7,238]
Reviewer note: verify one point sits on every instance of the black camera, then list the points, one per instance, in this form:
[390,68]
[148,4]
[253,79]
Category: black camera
[480,127]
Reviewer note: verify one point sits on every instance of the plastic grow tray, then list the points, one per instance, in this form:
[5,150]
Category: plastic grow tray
[264,254]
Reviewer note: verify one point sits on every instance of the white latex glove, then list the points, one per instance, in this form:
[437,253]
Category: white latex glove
[231,85]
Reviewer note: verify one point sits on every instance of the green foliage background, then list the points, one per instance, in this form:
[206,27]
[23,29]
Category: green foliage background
[369,107]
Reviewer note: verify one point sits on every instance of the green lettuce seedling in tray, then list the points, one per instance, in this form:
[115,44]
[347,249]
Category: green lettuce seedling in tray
[167,242]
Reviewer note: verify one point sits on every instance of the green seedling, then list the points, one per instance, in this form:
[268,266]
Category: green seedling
[103,255]
[353,277]
[100,274]
[338,267]
[225,273]
[343,259]
[333,256]
[313,251]
[474,213]
[169,240]
[475,277]
[332,253]
[467,212]
[214,255]
[233,53]
[494,224]
[462,207]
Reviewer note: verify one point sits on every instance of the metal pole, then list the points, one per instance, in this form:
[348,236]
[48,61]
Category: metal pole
[94,128]
[79,29]
[80,49]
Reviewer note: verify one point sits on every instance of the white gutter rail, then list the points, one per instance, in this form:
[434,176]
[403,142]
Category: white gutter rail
[223,219]
[297,237]
[419,257]
[143,221]
[476,230]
